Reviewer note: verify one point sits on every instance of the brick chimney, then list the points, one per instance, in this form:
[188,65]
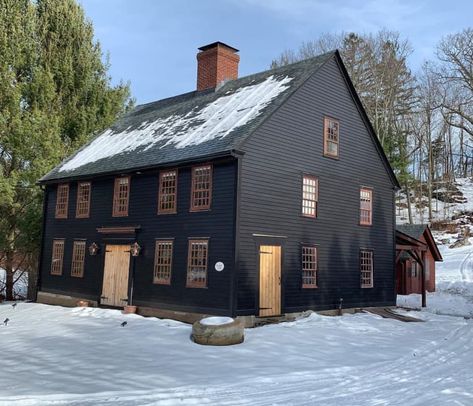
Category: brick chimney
[216,62]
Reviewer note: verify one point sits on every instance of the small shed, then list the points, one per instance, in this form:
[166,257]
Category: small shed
[416,254]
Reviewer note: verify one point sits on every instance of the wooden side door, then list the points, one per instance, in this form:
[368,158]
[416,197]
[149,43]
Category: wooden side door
[269,280]
[115,275]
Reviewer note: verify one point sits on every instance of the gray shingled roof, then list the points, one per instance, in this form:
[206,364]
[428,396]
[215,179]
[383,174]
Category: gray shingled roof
[412,230]
[182,106]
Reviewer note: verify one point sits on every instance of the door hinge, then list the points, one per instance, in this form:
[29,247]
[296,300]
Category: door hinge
[124,300]
[103,297]
[265,252]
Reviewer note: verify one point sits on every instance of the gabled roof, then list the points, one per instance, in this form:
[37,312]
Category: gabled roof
[197,126]
[416,231]
[189,126]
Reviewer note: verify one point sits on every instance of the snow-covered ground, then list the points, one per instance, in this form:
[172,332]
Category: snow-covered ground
[53,355]
[454,284]
[82,356]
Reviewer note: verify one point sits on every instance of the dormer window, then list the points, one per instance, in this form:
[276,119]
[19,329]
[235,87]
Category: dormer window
[331,137]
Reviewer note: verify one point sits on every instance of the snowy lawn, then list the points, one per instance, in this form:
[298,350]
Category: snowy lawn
[83,356]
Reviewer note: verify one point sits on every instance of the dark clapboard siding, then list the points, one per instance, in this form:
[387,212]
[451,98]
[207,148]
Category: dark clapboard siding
[287,145]
[218,224]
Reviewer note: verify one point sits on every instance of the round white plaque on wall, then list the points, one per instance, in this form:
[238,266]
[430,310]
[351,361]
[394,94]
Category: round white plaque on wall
[219,266]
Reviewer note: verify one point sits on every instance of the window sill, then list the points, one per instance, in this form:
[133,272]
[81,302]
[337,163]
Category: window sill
[161,283]
[308,217]
[334,157]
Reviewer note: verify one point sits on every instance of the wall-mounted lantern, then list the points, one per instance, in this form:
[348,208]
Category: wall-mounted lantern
[135,249]
[93,249]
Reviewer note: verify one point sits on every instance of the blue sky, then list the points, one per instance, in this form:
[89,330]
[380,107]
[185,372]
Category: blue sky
[153,43]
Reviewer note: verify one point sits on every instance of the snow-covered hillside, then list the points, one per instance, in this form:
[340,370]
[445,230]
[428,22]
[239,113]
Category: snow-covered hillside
[441,210]
[83,356]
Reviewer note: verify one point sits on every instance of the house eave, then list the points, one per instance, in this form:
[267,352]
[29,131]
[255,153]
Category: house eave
[224,154]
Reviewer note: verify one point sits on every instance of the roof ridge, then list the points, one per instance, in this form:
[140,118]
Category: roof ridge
[233,81]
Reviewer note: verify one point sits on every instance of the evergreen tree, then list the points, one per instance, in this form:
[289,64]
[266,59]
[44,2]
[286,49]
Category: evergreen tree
[55,93]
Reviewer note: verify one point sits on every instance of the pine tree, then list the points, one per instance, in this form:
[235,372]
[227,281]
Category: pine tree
[55,93]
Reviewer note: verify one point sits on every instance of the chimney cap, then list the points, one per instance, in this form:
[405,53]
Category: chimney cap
[215,44]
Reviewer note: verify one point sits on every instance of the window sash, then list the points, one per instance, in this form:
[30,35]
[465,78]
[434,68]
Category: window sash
[366,268]
[163,262]
[57,257]
[366,206]
[309,266]
[197,263]
[310,195]
[201,193]
[62,201]
[83,200]
[121,195]
[167,199]
[78,259]
[331,137]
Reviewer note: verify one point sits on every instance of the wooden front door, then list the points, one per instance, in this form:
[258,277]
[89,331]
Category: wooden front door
[115,275]
[269,280]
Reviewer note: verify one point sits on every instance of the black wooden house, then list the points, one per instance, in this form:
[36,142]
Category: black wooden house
[261,195]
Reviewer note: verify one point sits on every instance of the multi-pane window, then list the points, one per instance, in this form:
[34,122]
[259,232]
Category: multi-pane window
[309,267]
[83,200]
[121,196]
[201,194]
[62,201]
[197,261]
[78,258]
[366,268]
[167,192]
[366,206]
[163,262]
[331,137]
[57,257]
[310,195]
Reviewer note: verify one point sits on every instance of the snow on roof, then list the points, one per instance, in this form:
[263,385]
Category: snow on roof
[214,120]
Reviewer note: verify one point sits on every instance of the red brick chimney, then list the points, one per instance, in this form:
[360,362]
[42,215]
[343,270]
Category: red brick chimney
[216,62]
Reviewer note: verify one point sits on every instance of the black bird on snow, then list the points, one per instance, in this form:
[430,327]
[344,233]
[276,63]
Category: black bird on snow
[5,322]
[13,305]
[123,324]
